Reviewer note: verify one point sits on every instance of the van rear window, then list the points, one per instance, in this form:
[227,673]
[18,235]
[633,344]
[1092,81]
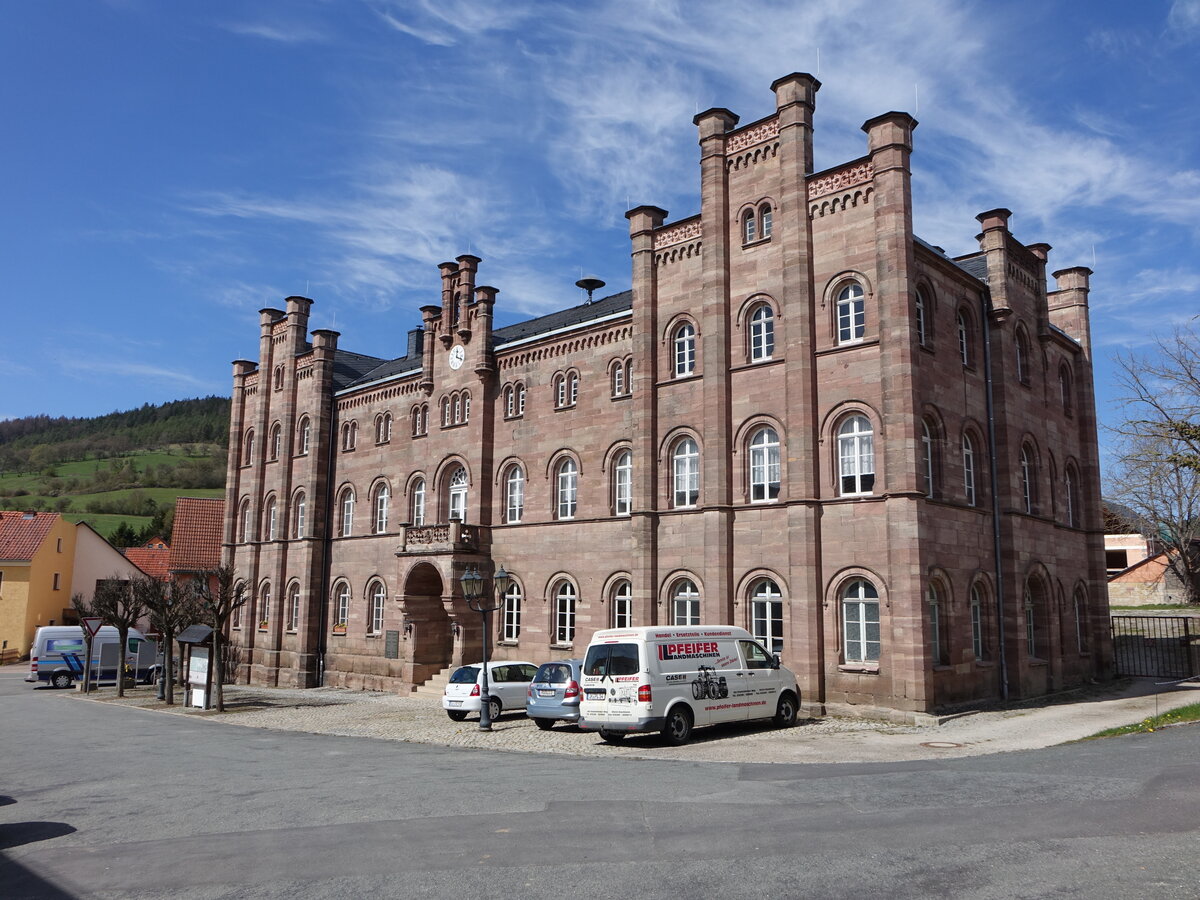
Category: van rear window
[612,659]
[465,675]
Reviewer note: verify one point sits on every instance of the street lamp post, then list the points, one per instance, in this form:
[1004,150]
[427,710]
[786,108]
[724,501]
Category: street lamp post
[472,586]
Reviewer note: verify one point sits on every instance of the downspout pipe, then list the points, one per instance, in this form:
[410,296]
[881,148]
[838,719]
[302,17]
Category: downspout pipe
[327,540]
[985,303]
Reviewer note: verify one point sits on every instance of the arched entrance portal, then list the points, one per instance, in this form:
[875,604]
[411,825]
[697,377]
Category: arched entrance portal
[431,642]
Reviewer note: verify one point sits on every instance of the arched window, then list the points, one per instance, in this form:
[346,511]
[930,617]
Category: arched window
[264,606]
[304,435]
[927,458]
[762,333]
[383,428]
[764,465]
[514,494]
[1022,356]
[520,399]
[269,520]
[618,380]
[938,628]
[860,622]
[279,378]
[457,416]
[685,603]
[1081,620]
[1033,615]
[276,440]
[573,388]
[248,448]
[851,314]
[1064,389]
[511,630]
[1028,486]
[766,614]
[922,307]
[978,623]
[968,461]
[623,483]
[567,489]
[510,402]
[377,595]
[298,515]
[235,621]
[765,219]
[749,227]
[445,411]
[684,343]
[964,339]
[294,607]
[856,456]
[457,504]
[349,435]
[1070,498]
[466,415]
[622,604]
[420,419]
[244,522]
[341,610]
[383,497]
[686,471]
[347,505]
[564,613]
[417,512]
[560,391]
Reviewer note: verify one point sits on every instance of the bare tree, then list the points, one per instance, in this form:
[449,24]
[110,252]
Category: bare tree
[83,607]
[172,607]
[217,608]
[1157,473]
[117,604]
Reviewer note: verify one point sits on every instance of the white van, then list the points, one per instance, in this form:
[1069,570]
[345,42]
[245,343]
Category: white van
[673,678]
[50,642]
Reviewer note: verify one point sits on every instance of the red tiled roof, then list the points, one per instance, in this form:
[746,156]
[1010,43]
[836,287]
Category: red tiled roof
[196,534]
[22,533]
[154,561]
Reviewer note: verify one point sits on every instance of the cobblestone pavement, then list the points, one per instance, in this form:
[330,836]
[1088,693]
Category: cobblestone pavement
[830,739]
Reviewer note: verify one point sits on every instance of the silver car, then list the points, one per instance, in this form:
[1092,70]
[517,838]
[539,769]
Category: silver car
[507,686]
[554,693]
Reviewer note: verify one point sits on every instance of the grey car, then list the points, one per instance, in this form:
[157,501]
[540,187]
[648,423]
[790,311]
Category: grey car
[554,693]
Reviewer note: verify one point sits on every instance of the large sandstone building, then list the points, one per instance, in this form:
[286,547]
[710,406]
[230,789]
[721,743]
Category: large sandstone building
[802,419]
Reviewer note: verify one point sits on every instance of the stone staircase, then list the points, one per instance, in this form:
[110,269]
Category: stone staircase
[435,686]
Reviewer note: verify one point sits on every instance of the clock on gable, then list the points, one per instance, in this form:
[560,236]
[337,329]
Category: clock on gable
[457,355]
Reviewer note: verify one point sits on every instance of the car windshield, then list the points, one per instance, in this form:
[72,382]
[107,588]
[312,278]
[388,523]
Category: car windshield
[611,659]
[465,675]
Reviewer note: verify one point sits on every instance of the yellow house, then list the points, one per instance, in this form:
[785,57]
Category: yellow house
[44,559]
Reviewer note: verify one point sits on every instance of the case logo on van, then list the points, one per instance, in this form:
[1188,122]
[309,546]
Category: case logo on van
[688,650]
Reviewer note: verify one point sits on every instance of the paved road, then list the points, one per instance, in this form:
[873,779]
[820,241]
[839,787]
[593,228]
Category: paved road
[115,802]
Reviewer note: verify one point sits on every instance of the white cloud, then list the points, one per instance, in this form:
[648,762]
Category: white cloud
[83,366]
[280,33]
[1183,20]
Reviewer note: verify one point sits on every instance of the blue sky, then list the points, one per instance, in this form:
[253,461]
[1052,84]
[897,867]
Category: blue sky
[172,167]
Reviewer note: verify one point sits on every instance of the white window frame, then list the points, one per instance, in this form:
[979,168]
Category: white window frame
[685,467]
[684,346]
[457,495]
[977,636]
[565,599]
[685,603]
[347,505]
[623,483]
[264,606]
[511,621]
[762,333]
[1071,500]
[514,494]
[1026,474]
[418,502]
[851,314]
[301,505]
[766,221]
[378,596]
[934,601]
[622,604]
[764,456]
[968,460]
[922,330]
[927,457]
[566,478]
[964,340]
[856,456]
[860,611]
[766,614]
[383,497]
[272,515]
[750,226]
[341,614]
[294,607]
[305,435]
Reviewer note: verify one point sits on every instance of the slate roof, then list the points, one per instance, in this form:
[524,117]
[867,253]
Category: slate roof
[976,266]
[349,368]
[154,561]
[196,535]
[21,534]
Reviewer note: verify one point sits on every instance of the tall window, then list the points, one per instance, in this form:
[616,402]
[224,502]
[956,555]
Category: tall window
[298,515]
[618,380]
[276,441]
[294,607]
[514,495]
[305,435]
[383,428]
[247,534]
[749,227]
[560,391]
[248,448]
[851,314]
[512,613]
[573,388]
[347,512]
[764,465]
[1081,621]
[235,620]
[686,466]
[968,460]
[685,350]
[1027,485]
[378,595]
[860,622]
[1031,631]
[264,605]
[349,435]
[922,307]
[420,419]
[622,605]
[978,647]
[1064,388]
[685,604]
[1070,498]
[623,483]
[964,339]
[927,458]
[762,333]
[269,518]
[766,220]
[1022,357]
[856,456]
[938,631]
[520,399]
[766,614]
[383,497]
[564,613]
[341,614]
[567,489]
[458,494]
[418,502]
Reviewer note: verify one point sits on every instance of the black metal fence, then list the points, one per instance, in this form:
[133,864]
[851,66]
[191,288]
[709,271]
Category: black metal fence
[1156,646]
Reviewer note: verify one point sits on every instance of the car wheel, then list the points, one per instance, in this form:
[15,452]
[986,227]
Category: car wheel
[612,737]
[456,715]
[678,727]
[544,724]
[61,679]
[494,707]
[785,712]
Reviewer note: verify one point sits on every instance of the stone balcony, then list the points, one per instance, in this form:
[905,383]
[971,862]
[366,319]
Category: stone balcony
[451,537]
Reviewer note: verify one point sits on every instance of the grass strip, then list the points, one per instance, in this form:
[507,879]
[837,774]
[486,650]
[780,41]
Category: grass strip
[1189,713]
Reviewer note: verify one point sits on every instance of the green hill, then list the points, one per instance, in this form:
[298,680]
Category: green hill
[120,472]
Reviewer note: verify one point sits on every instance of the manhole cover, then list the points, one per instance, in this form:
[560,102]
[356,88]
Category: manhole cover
[940,745]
